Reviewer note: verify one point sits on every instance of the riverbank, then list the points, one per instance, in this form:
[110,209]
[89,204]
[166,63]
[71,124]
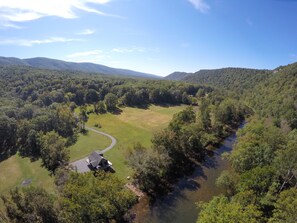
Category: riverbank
[180,205]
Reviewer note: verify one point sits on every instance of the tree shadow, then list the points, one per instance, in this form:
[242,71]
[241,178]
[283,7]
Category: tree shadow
[116,111]
[8,154]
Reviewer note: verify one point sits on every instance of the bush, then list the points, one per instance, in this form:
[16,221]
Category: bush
[98,125]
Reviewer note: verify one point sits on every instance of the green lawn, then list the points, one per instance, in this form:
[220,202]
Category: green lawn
[17,169]
[131,126]
[88,143]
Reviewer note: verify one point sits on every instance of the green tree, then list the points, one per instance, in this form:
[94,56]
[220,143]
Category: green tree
[8,135]
[150,169]
[285,207]
[227,181]
[83,117]
[53,151]
[221,210]
[286,161]
[30,205]
[111,101]
[86,198]
[186,116]
[100,107]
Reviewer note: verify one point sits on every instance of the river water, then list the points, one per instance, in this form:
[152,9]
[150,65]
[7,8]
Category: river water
[180,206]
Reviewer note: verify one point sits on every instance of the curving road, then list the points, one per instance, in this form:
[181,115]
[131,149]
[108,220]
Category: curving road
[81,165]
[113,140]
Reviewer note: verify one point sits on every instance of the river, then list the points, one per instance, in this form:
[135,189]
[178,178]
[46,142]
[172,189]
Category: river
[180,205]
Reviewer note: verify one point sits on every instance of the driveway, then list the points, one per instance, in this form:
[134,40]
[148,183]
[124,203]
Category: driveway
[81,166]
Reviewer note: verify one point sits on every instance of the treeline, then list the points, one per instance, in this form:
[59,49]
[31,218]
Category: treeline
[44,87]
[36,132]
[179,148]
[262,185]
[80,198]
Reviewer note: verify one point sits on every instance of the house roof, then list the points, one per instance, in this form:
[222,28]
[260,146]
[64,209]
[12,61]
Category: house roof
[95,159]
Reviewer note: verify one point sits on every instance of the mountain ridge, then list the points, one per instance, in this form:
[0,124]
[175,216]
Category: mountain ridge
[54,64]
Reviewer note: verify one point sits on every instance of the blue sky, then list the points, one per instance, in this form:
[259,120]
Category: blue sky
[153,36]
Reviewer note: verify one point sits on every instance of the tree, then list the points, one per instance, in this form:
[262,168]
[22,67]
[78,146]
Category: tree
[86,198]
[286,161]
[258,179]
[111,101]
[150,169]
[221,210]
[30,205]
[227,181]
[8,135]
[83,117]
[99,107]
[285,207]
[92,96]
[256,146]
[52,151]
[186,116]
[205,116]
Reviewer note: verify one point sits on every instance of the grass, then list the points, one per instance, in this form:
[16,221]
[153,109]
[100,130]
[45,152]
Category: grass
[16,169]
[133,125]
[88,143]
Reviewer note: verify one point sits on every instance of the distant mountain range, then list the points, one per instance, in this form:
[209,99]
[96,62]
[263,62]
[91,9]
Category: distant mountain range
[53,64]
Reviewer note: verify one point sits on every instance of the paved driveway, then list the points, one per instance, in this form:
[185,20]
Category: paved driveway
[81,166]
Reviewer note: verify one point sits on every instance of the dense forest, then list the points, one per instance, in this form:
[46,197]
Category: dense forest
[262,185]
[37,120]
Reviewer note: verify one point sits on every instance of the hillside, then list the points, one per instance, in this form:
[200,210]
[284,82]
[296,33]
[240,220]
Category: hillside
[177,76]
[53,64]
[277,95]
[236,79]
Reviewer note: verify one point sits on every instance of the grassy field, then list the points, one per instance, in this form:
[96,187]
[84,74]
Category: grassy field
[87,144]
[16,169]
[132,125]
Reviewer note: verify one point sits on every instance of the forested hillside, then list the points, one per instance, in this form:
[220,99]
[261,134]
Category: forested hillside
[268,93]
[277,96]
[177,76]
[233,79]
[261,186]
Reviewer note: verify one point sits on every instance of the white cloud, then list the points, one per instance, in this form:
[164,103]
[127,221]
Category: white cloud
[27,42]
[26,10]
[129,50]
[86,32]
[200,5]
[86,53]
[92,56]
[134,50]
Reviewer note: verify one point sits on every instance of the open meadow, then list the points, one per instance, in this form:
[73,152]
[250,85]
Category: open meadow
[131,126]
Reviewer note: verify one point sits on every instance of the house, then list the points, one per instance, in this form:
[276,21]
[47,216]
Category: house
[96,161]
